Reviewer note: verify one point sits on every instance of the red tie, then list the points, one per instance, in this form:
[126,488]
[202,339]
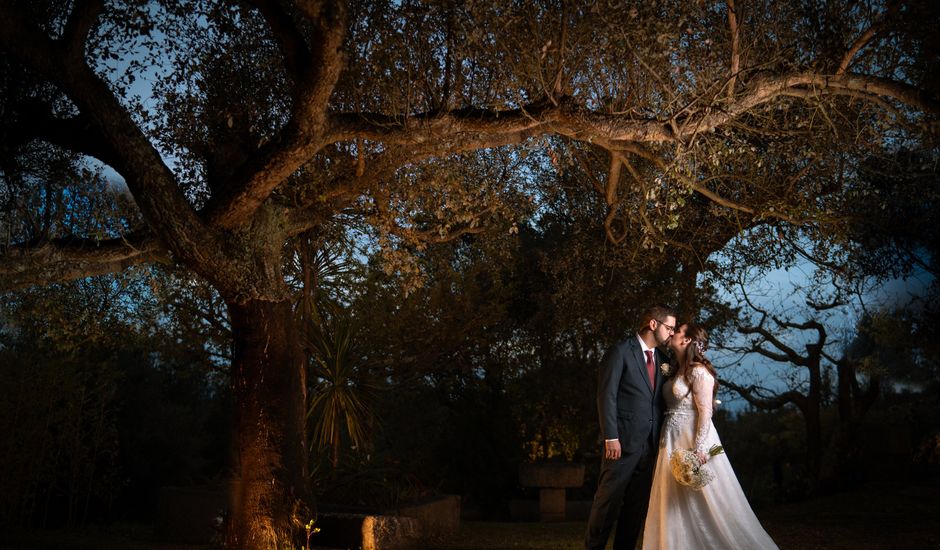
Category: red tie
[651,368]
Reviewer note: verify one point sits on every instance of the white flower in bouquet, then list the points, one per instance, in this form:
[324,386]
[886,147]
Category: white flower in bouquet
[666,369]
[689,470]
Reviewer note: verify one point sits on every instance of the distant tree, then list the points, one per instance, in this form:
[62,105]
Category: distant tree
[823,365]
[781,339]
[886,230]
[769,452]
[57,361]
[105,405]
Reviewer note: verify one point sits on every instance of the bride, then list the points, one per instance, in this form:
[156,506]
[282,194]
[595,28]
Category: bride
[717,516]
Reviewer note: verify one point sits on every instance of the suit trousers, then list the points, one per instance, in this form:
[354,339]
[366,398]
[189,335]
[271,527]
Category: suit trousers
[622,497]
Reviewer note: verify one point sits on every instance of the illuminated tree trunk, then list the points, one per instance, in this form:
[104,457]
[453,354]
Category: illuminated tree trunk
[270,499]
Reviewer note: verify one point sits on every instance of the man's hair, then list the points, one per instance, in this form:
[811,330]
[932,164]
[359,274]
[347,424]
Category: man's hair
[657,312]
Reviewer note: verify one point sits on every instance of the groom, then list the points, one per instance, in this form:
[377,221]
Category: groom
[630,406]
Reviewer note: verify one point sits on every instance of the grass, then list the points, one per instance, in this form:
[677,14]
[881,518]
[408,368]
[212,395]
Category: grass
[122,536]
[873,517]
[877,516]
[478,535]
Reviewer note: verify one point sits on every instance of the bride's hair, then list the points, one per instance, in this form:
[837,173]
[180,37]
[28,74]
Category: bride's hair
[695,355]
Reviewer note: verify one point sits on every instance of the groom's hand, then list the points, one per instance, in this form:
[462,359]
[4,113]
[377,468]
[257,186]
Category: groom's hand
[612,449]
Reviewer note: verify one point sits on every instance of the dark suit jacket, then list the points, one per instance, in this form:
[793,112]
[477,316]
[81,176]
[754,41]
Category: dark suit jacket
[628,407]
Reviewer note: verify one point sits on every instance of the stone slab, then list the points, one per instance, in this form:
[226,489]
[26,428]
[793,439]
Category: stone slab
[558,475]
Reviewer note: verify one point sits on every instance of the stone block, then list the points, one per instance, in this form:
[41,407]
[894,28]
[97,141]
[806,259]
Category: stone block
[552,478]
[439,516]
[390,533]
[551,474]
[367,532]
[551,504]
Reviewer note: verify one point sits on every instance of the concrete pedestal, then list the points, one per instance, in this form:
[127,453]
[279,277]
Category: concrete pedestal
[551,478]
[551,504]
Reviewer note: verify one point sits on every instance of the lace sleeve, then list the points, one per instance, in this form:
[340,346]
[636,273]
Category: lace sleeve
[703,385]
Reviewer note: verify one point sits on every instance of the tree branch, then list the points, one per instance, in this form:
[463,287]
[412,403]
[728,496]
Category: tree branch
[151,182]
[806,325]
[865,37]
[557,86]
[448,78]
[215,321]
[446,128]
[72,258]
[752,394]
[763,89]
[78,25]
[818,306]
[544,117]
[586,168]
[644,218]
[735,54]
[610,196]
[435,237]
[700,187]
[789,354]
[288,36]
[855,47]
[369,171]
[301,137]
[779,357]
[348,186]
[814,95]
[832,266]
[831,359]
[77,134]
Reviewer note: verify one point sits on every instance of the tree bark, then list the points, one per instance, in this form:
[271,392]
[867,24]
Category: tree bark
[813,418]
[846,464]
[270,497]
[853,404]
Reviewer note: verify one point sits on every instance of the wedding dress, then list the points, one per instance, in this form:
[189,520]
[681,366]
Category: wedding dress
[719,515]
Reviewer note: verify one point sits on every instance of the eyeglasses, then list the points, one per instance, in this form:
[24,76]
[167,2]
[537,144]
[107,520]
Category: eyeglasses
[670,328]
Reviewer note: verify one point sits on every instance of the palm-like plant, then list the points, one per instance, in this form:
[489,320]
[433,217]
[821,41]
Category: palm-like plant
[341,395]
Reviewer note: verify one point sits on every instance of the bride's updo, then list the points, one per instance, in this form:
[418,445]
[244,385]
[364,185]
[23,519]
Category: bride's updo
[695,354]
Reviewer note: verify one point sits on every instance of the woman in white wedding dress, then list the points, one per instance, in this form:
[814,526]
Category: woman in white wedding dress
[718,516]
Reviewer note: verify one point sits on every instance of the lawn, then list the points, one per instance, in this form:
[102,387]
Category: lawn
[489,535]
[875,517]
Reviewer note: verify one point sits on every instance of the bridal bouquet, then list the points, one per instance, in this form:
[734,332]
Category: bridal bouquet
[689,470]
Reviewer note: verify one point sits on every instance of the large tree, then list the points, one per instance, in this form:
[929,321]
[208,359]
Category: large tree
[269,119]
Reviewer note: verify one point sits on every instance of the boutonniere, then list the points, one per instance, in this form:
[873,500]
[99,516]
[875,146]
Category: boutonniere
[666,369]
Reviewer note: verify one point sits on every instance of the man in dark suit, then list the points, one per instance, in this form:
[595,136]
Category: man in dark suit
[630,406]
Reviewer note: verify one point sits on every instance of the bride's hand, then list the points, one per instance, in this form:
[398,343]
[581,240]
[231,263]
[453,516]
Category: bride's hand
[702,456]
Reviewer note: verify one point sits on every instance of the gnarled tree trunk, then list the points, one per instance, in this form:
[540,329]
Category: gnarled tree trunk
[270,498]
